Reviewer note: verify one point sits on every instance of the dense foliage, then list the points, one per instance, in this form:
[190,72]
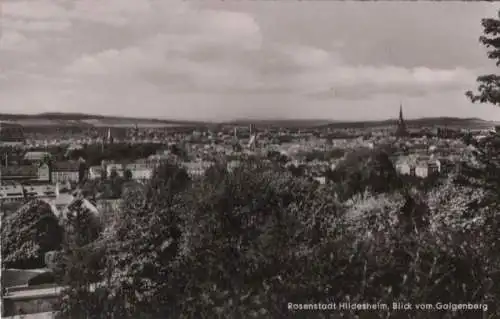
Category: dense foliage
[79,263]
[489,84]
[94,154]
[28,234]
[365,170]
[324,155]
[109,187]
[245,243]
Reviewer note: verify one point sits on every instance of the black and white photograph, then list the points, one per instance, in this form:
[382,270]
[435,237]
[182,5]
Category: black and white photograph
[249,159]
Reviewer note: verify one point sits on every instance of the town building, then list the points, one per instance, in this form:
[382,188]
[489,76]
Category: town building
[19,173]
[96,172]
[11,134]
[36,157]
[68,171]
[232,165]
[41,191]
[43,170]
[11,193]
[420,167]
[23,298]
[196,168]
[115,167]
[140,171]
[403,168]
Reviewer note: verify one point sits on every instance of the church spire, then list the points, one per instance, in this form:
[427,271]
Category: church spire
[401,130]
[109,137]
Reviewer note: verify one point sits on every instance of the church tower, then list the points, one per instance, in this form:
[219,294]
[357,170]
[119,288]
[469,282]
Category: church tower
[109,137]
[401,130]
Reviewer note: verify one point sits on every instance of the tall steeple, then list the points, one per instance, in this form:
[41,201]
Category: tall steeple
[401,130]
[109,137]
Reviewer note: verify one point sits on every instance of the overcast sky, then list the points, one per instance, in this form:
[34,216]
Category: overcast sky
[219,60]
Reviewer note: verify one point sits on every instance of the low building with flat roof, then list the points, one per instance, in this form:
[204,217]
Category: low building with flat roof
[11,134]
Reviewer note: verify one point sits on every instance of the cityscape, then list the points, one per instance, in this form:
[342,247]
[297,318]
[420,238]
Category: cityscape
[94,168]
[34,167]
[214,160]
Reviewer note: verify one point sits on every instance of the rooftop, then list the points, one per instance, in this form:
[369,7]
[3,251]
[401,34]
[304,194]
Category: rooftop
[41,315]
[23,171]
[17,277]
[69,166]
[11,132]
[36,156]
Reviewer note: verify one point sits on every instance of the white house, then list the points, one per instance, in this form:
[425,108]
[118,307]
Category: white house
[422,170]
[196,168]
[41,191]
[95,172]
[320,179]
[11,193]
[140,171]
[118,168]
[232,165]
[403,168]
[63,172]
[44,172]
[36,156]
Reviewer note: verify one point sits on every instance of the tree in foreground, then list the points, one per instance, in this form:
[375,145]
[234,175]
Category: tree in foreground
[80,265]
[144,244]
[28,234]
[244,243]
[484,173]
[489,85]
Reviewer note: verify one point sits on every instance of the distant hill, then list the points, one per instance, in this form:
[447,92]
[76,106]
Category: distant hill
[89,120]
[281,123]
[451,122]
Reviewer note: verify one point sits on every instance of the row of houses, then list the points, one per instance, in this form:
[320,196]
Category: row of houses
[143,170]
[18,192]
[137,171]
[423,168]
[58,172]
[75,171]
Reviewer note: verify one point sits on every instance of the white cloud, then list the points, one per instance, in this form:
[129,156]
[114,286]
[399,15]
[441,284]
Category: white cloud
[115,63]
[150,52]
[310,57]
[113,12]
[36,25]
[331,80]
[15,41]
[36,10]
[204,50]
[235,27]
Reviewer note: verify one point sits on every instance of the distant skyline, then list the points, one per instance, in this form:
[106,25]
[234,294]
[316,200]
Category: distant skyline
[224,60]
